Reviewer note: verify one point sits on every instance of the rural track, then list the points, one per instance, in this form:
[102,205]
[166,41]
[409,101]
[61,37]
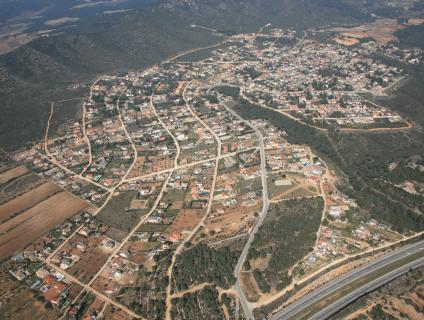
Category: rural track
[84,126]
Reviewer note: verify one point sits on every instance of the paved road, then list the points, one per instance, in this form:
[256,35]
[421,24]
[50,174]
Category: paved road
[187,165]
[247,308]
[243,300]
[298,307]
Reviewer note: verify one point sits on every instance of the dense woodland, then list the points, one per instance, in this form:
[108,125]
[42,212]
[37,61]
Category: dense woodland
[62,67]
[287,235]
[203,264]
[147,296]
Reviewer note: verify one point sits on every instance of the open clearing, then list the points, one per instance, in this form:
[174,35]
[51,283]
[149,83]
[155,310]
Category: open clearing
[117,214]
[12,173]
[185,221]
[91,260]
[33,223]
[27,200]
[249,286]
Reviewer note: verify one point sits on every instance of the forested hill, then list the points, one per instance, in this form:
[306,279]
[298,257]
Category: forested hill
[412,36]
[47,68]
[233,16]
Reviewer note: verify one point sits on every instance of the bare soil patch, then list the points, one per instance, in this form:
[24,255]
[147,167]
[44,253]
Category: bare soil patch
[115,314]
[186,220]
[91,260]
[12,173]
[24,306]
[117,212]
[33,223]
[250,287]
[27,200]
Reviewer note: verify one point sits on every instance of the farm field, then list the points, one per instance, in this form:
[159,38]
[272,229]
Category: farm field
[21,203]
[12,174]
[18,186]
[16,233]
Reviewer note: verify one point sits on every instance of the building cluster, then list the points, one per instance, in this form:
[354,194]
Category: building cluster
[164,157]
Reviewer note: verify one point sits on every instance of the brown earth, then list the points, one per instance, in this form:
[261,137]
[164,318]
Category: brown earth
[112,313]
[236,220]
[186,220]
[33,223]
[249,286]
[12,173]
[27,200]
[18,186]
[24,306]
[91,260]
[96,307]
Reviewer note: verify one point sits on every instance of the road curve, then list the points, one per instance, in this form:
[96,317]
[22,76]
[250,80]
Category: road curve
[306,301]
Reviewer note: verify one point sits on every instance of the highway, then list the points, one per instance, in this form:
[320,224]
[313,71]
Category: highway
[299,308]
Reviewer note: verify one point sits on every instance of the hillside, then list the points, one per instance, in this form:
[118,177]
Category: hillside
[239,16]
[47,68]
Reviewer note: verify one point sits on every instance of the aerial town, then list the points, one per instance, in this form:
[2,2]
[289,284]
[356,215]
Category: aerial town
[161,167]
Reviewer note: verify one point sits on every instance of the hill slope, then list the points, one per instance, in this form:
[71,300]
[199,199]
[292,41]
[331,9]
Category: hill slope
[47,68]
